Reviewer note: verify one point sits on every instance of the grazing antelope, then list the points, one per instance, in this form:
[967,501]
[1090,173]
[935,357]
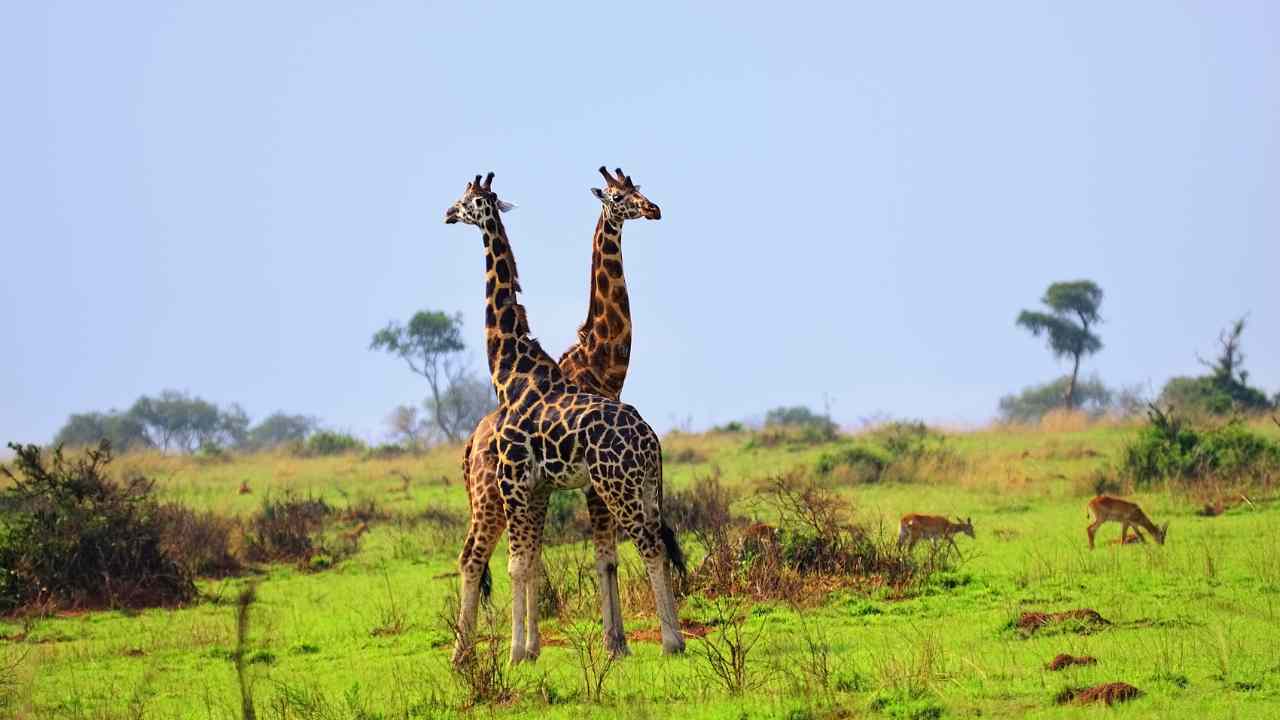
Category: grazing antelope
[932,528]
[1106,508]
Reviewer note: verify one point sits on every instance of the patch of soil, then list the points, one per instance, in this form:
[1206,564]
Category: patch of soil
[1109,693]
[1064,661]
[1087,617]
[688,628]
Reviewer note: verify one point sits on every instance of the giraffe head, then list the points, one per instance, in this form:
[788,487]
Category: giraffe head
[622,199]
[478,203]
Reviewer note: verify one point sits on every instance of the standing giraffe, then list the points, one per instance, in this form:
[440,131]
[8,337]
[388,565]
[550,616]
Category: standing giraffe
[549,434]
[597,363]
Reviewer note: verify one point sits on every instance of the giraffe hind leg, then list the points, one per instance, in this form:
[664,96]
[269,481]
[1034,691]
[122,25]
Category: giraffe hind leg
[485,529]
[604,537]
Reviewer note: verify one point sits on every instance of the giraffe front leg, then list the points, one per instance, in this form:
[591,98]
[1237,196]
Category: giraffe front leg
[517,567]
[533,581]
[517,495]
[604,538]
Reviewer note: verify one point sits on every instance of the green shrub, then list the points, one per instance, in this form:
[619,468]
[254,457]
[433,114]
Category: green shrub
[71,536]
[386,451]
[328,442]
[868,461]
[1169,448]
[894,451]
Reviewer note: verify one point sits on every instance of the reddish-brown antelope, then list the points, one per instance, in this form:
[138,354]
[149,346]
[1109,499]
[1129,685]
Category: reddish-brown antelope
[915,528]
[1105,508]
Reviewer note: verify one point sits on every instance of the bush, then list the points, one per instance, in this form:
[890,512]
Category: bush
[1169,448]
[71,536]
[1034,402]
[701,506]
[797,424]
[386,451]
[287,530]
[202,542]
[898,450]
[328,442]
[567,519]
[868,462]
[815,547]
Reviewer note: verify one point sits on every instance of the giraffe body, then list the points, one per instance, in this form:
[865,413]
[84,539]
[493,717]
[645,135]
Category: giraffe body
[548,433]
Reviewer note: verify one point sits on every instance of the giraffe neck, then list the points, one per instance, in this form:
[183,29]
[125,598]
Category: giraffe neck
[517,362]
[604,339]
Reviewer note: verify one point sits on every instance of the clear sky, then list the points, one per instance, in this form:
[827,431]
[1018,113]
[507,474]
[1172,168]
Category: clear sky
[231,197]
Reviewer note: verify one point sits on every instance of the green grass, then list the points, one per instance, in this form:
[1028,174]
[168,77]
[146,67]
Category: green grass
[1196,623]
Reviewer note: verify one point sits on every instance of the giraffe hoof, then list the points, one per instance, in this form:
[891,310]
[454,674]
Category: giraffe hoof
[617,648]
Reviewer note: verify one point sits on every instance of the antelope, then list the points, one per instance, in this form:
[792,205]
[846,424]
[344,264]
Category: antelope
[1106,508]
[932,528]
[354,533]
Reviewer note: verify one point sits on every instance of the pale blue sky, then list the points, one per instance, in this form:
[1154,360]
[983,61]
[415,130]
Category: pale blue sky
[231,197]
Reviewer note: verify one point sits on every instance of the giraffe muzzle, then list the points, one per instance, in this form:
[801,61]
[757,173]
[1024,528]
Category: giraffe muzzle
[653,213]
[451,216]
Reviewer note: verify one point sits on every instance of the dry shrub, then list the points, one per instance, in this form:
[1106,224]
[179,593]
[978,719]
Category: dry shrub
[204,543]
[727,650]
[703,505]
[815,547]
[1109,693]
[1063,661]
[1063,420]
[364,510]
[287,529]
[1080,620]
[72,537]
[482,674]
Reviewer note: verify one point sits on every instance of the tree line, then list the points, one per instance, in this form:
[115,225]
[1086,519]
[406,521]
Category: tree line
[177,421]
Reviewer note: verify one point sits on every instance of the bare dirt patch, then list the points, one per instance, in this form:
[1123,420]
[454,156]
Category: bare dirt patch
[1064,661]
[1109,693]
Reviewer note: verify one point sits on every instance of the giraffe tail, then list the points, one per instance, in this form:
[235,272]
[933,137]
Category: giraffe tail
[486,584]
[674,554]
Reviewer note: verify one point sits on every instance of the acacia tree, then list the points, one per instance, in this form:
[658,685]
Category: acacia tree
[1073,309]
[431,344]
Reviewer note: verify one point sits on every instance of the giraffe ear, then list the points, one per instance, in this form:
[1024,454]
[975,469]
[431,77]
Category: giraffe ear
[504,206]
[598,193]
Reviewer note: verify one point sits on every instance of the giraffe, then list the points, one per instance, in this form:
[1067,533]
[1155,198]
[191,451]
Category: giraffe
[550,434]
[597,363]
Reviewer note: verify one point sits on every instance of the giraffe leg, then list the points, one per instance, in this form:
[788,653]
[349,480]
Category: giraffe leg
[485,528]
[648,540]
[604,538]
[533,579]
[516,487]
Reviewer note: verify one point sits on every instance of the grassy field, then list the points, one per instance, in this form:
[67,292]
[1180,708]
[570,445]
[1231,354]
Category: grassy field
[1194,624]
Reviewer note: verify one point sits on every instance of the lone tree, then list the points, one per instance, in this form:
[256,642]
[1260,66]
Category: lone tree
[431,344]
[1073,310]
